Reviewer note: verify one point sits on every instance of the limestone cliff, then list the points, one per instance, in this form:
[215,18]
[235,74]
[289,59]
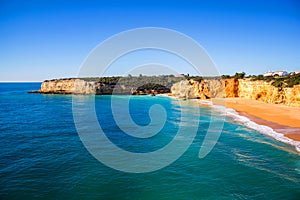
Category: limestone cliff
[187,89]
[68,86]
[265,91]
[243,88]
[80,86]
[204,89]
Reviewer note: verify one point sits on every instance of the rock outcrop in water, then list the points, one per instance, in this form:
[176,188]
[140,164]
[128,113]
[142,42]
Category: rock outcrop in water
[243,88]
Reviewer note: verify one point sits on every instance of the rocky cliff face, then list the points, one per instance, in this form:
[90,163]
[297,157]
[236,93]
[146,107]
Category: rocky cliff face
[187,89]
[243,88]
[264,91]
[205,89]
[68,86]
[79,86]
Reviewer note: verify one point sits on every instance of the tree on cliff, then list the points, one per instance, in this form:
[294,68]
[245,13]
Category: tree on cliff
[239,75]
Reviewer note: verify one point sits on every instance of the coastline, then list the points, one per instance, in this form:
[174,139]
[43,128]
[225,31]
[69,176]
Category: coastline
[277,121]
[283,121]
[274,113]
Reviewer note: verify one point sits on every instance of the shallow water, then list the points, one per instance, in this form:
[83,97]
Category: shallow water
[43,157]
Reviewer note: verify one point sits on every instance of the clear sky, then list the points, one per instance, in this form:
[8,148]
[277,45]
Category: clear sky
[50,39]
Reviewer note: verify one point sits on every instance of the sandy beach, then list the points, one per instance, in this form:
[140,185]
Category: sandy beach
[281,118]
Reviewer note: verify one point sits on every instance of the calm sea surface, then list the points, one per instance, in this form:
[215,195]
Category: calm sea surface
[42,156]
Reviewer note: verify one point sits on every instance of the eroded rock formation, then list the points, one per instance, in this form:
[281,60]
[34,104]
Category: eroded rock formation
[187,89]
[243,88]
[204,89]
[265,91]
[80,86]
[68,86]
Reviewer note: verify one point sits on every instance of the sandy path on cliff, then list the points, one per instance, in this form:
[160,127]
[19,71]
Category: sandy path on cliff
[278,117]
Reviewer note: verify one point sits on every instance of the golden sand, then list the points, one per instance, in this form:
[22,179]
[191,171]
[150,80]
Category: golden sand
[281,118]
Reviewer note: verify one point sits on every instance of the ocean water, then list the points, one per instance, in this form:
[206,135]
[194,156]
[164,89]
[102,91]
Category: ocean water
[42,156]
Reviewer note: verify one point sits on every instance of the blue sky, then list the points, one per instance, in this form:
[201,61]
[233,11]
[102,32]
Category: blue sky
[50,39]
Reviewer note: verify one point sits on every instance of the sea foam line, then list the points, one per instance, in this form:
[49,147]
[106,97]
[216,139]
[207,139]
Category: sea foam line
[266,130]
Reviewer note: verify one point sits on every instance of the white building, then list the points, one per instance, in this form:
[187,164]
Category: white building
[295,72]
[276,73]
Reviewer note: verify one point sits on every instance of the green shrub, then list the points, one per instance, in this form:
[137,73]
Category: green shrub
[225,76]
[239,75]
[281,81]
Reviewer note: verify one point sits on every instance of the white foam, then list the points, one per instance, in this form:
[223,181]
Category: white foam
[250,124]
[205,102]
[260,128]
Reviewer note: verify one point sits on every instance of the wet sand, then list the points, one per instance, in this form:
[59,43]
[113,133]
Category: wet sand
[281,118]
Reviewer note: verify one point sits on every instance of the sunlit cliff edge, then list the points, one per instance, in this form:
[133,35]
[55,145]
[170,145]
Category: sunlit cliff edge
[242,88]
[187,89]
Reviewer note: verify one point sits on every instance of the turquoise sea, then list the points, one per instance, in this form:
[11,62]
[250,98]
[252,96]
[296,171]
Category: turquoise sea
[42,156]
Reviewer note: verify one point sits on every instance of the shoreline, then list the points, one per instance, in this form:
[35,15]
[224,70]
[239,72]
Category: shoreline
[279,114]
[279,122]
[283,121]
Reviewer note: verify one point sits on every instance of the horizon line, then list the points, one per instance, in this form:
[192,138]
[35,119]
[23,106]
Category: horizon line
[21,81]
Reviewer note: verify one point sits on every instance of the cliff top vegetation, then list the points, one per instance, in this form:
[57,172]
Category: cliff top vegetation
[169,80]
